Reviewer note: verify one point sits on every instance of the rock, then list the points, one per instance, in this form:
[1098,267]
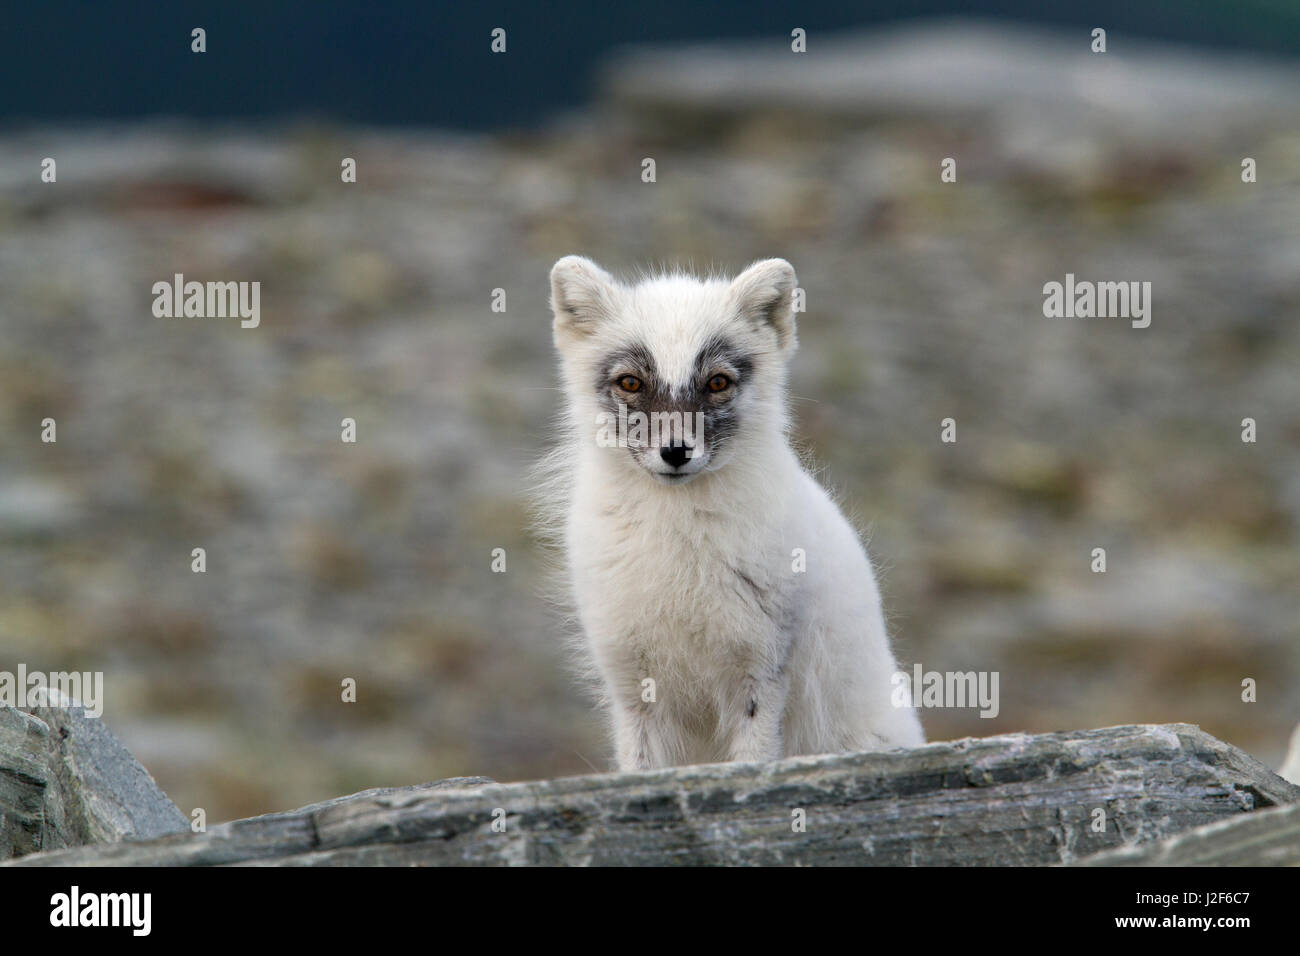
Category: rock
[87,786]
[451,783]
[23,777]
[1010,800]
[1268,838]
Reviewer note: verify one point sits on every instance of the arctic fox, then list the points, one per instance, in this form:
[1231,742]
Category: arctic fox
[729,609]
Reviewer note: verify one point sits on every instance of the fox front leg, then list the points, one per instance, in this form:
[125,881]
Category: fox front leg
[637,737]
[756,732]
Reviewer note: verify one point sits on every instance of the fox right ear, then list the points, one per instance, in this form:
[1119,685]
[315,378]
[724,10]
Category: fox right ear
[582,294]
[764,293]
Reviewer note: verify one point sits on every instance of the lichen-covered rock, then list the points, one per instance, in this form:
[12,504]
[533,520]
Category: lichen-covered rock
[1011,800]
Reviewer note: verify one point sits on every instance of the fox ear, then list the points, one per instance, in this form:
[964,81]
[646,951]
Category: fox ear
[764,294]
[582,294]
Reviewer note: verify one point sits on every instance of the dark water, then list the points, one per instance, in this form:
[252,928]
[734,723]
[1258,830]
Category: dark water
[413,62]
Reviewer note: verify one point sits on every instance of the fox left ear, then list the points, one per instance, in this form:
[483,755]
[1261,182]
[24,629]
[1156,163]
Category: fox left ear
[764,294]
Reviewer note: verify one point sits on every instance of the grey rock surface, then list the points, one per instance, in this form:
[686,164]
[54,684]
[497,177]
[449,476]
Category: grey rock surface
[66,780]
[1268,838]
[23,776]
[451,783]
[1011,800]
[98,792]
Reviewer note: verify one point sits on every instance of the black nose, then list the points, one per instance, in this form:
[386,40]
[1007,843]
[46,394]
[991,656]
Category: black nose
[675,455]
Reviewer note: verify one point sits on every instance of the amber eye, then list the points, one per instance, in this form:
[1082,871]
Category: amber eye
[719,383]
[629,383]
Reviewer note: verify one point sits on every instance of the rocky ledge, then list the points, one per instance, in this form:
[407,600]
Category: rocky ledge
[71,795]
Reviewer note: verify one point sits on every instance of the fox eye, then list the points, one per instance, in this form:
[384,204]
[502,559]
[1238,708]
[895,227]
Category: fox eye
[719,383]
[629,383]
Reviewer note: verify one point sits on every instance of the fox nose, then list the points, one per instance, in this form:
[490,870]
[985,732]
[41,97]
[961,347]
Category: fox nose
[675,455]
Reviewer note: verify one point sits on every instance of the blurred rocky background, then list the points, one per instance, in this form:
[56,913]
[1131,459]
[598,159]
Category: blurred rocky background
[924,301]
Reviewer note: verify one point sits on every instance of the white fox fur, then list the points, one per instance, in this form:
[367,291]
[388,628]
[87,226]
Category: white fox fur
[686,573]
[1291,763]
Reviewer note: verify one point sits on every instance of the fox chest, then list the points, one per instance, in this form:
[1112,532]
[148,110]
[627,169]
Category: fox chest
[695,604]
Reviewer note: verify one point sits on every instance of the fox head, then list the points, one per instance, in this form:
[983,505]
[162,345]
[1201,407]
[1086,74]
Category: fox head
[688,373]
